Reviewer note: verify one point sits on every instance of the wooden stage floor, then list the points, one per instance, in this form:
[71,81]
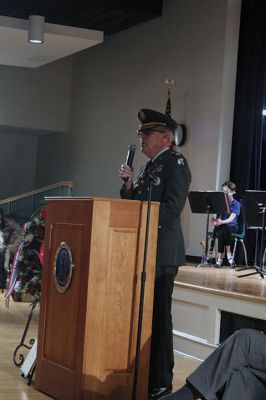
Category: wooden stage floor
[223,281]
[12,324]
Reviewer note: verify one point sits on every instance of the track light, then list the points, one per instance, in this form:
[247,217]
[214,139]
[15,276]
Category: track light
[36,29]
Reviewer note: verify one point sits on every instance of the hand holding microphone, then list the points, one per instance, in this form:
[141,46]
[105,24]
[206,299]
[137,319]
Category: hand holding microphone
[126,173]
[126,170]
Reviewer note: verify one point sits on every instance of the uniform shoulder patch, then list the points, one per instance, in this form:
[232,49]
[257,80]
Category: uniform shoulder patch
[181,161]
[180,158]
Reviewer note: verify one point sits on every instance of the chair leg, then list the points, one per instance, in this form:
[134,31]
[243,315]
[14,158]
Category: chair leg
[234,251]
[245,252]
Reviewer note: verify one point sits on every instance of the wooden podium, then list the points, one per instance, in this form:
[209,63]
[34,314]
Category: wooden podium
[87,335]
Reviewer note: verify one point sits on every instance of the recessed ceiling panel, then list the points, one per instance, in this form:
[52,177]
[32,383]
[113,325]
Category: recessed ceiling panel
[59,41]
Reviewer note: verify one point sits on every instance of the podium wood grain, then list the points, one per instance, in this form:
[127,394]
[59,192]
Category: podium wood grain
[87,335]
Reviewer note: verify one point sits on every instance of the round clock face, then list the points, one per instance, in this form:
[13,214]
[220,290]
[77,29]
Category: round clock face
[180,135]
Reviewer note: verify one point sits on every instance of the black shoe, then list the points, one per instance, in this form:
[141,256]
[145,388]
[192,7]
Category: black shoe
[157,393]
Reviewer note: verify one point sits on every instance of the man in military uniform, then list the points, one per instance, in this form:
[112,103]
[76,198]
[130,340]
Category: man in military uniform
[170,175]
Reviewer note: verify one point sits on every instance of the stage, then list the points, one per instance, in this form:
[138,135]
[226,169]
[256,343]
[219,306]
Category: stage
[203,299]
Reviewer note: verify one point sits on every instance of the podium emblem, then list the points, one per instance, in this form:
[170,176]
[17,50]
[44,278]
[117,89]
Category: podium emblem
[63,267]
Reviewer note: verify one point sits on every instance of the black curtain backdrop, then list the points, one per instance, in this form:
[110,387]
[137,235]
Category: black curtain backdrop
[250,97]
[247,143]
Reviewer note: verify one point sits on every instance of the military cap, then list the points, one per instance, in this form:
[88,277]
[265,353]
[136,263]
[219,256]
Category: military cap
[150,119]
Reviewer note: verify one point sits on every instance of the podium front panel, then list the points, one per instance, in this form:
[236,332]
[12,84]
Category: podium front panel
[61,324]
[88,333]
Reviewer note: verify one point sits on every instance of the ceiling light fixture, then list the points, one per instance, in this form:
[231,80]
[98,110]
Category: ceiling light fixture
[36,29]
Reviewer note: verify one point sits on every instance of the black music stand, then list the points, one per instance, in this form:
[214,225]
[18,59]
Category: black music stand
[206,202]
[255,204]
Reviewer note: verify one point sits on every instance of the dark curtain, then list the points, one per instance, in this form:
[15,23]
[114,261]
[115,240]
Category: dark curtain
[247,144]
[250,97]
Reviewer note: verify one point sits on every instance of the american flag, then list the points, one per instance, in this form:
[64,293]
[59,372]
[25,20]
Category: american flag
[168,104]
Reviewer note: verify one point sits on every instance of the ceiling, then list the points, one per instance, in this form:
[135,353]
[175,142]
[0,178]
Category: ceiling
[110,16]
[70,26]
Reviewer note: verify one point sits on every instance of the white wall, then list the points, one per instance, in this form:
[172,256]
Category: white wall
[53,159]
[17,164]
[32,102]
[195,42]
[36,98]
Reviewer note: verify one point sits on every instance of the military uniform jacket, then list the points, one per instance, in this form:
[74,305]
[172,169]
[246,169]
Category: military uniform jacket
[173,177]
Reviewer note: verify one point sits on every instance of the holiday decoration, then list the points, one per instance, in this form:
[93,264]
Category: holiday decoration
[25,277]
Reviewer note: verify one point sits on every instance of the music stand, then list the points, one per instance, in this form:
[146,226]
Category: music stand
[255,204]
[206,202]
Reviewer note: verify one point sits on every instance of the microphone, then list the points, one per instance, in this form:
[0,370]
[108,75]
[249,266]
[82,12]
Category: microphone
[130,156]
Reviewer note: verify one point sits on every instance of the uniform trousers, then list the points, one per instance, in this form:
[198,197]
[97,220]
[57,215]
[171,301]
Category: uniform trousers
[162,357]
[235,370]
